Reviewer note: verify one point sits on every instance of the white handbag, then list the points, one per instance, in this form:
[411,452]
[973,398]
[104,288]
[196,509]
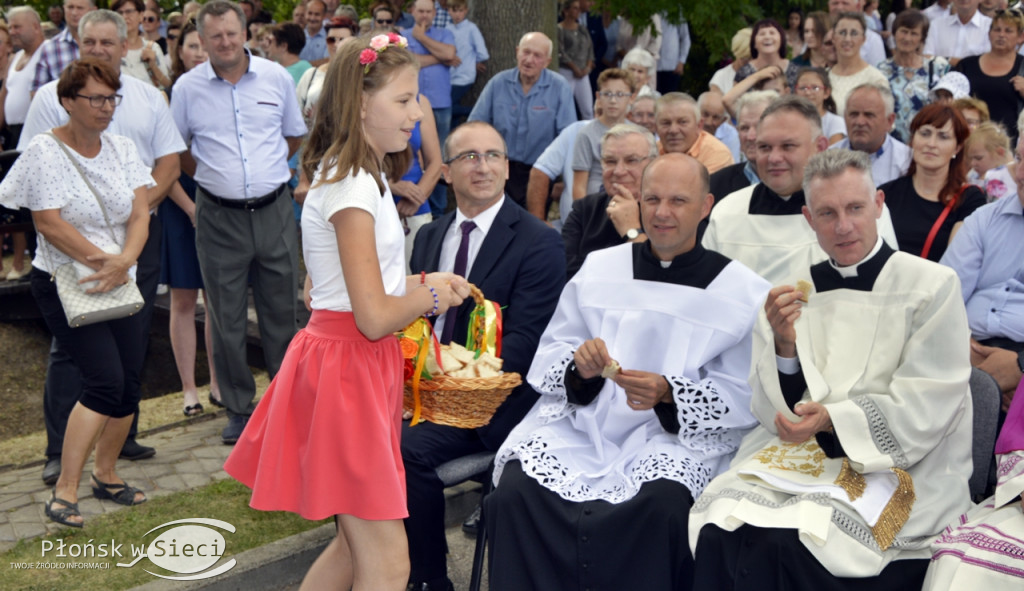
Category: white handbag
[89,308]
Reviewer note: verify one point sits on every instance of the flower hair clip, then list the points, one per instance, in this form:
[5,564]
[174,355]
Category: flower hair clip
[378,44]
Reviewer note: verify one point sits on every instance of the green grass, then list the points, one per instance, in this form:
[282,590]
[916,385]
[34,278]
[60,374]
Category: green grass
[226,500]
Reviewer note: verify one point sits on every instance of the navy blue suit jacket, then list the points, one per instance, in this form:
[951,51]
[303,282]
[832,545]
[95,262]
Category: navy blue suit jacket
[521,265]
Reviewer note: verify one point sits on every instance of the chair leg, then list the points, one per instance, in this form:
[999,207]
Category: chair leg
[481,541]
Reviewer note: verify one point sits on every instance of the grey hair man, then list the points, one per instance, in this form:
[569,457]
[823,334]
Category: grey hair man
[529,105]
[869,115]
[824,379]
[677,118]
[762,226]
[144,118]
[744,173]
[612,215]
[243,197]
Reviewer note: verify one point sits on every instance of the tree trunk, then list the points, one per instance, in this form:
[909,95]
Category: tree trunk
[503,23]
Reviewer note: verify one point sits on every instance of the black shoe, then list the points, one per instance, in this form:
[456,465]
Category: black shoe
[472,523]
[51,471]
[132,450]
[231,433]
[216,402]
[436,586]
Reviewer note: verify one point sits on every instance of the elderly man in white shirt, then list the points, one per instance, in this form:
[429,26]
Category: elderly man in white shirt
[961,34]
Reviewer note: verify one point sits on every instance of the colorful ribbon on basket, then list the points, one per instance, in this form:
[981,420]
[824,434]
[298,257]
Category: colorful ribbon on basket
[415,341]
[484,331]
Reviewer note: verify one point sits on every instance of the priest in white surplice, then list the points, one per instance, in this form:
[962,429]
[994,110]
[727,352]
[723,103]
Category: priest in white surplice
[864,446]
[762,226]
[595,485]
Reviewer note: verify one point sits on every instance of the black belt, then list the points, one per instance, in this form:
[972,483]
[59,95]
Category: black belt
[249,204]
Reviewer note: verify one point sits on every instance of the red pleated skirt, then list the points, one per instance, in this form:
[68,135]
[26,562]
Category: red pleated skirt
[324,439]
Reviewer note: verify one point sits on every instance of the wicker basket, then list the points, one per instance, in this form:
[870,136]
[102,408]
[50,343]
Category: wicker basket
[467,403]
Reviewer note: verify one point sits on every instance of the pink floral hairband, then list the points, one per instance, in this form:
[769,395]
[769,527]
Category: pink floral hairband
[377,46]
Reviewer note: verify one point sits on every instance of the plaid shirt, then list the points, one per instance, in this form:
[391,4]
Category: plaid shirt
[54,56]
[441,17]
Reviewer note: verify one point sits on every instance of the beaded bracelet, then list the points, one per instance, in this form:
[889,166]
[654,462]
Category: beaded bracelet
[423,277]
[433,292]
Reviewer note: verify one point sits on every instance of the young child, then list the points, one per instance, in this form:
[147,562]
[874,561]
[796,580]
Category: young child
[471,51]
[975,111]
[616,90]
[988,154]
[813,84]
[324,439]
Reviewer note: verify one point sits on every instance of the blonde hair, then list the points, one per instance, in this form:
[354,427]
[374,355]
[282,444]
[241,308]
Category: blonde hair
[970,102]
[337,136]
[991,135]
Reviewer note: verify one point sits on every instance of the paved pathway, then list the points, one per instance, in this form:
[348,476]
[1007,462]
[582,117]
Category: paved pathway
[188,456]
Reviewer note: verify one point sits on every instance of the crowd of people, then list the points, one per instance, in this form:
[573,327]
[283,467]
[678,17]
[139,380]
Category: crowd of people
[746,321]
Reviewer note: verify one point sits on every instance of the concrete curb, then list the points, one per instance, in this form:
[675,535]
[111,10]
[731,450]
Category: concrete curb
[277,565]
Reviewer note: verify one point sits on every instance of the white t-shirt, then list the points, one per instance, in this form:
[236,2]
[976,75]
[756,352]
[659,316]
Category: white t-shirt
[831,124]
[320,241]
[133,65]
[43,178]
[311,84]
[19,88]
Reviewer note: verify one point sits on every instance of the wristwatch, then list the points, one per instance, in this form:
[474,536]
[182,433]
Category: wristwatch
[632,233]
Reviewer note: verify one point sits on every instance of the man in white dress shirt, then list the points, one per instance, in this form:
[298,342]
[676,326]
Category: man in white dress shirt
[242,118]
[144,118]
[869,117]
[959,35]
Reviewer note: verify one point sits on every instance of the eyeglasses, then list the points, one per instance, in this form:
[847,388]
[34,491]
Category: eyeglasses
[385,21]
[851,33]
[149,19]
[629,161]
[96,101]
[172,37]
[127,11]
[814,88]
[609,95]
[471,158]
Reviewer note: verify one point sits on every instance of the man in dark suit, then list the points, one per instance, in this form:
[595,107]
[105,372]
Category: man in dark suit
[518,262]
[611,216]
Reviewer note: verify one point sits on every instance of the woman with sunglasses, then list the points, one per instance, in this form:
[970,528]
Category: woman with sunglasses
[144,59]
[151,29]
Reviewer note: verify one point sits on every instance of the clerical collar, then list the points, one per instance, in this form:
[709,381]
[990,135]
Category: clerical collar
[764,201]
[827,276]
[697,267]
[851,270]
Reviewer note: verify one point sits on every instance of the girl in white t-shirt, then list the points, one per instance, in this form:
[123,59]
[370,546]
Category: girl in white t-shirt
[324,439]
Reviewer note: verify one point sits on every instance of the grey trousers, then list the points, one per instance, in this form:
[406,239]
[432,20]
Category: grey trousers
[236,247]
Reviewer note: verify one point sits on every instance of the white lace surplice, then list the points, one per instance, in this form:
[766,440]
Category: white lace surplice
[699,339]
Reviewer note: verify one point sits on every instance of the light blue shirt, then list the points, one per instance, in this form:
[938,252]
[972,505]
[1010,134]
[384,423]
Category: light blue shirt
[238,131]
[557,160]
[471,49]
[675,45]
[988,256]
[527,122]
[316,46]
[728,135]
[889,163]
[435,81]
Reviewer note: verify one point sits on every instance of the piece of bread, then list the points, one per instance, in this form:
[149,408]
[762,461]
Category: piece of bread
[804,287]
[490,361]
[449,361]
[611,370]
